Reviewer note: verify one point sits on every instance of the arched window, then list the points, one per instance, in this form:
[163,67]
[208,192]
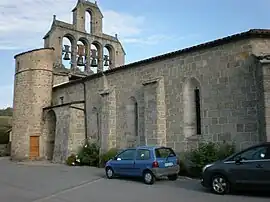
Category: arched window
[132,121]
[198,110]
[192,107]
[88,22]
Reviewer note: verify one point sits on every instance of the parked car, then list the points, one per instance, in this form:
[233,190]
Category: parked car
[247,169]
[147,162]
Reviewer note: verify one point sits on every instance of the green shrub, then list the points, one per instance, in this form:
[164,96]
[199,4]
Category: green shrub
[107,156]
[4,136]
[88,155]
[206,153]
[71,160]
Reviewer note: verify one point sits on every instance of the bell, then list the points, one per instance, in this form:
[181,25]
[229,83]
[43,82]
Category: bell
[66,56]
[94,63]
[106,63]
[66,52]
[106,59]
[80,61]
[93,53]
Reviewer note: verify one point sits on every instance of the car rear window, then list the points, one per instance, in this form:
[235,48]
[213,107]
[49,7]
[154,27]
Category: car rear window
[164,152]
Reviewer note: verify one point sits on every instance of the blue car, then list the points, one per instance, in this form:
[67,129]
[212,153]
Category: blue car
[147,162]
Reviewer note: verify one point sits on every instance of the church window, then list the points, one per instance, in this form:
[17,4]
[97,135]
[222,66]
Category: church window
[198,111]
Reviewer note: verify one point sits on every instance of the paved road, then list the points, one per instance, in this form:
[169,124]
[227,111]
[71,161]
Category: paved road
[59,183]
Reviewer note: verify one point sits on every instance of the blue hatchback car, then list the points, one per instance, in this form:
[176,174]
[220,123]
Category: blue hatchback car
[147,162]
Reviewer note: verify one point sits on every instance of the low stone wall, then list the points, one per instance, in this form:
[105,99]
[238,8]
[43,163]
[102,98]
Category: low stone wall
[4,150]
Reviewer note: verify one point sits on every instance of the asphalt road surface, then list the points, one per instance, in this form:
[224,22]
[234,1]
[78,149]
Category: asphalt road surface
[58,183]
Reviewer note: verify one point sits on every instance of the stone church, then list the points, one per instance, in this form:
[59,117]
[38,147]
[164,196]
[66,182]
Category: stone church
[217,91]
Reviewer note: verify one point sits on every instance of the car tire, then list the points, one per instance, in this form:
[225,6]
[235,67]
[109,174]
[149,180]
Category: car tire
[109,173]
[173,177]
[220,185]
[148,177]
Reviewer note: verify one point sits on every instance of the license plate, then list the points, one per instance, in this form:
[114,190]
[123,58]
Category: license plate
[168,164]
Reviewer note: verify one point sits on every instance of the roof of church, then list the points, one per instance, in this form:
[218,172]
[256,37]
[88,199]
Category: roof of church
[257,33]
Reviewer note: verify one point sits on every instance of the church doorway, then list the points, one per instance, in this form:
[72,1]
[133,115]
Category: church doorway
[49,133]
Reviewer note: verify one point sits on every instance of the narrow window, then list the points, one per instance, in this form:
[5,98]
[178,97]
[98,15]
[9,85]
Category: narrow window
[61,100]
[136,119]
[198,110]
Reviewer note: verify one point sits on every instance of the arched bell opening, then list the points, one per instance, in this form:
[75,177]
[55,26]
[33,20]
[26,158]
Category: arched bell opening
[82,54]
[108,57]
[88,21]
[66,53]
[96,57]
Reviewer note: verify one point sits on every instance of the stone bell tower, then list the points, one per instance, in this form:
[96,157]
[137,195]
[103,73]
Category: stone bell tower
[87,52]
[79,17]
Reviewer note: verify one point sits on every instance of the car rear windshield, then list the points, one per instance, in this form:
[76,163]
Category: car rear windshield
[164,152]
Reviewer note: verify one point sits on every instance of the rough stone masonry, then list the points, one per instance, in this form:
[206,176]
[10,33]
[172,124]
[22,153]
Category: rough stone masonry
[217,91]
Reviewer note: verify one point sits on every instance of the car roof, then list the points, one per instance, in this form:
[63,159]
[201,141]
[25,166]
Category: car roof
[248,148]
[149,147]
[258,145]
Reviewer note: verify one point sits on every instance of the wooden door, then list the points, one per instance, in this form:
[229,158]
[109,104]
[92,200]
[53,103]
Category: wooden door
[34,147]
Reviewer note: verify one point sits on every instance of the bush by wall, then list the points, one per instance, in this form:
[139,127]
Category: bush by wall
[192,162]
[4,138]
[89,154]
[107,156]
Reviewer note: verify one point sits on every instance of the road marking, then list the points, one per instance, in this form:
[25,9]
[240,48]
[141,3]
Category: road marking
[83,184]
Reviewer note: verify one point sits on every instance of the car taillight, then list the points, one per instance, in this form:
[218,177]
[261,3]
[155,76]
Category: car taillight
[155,164]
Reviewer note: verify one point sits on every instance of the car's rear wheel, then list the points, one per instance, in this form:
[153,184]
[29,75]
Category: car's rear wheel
[109,173]
[173,177]
[220,185]
[148,177]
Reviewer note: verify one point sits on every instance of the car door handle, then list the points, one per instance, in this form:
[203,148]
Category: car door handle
[259,166]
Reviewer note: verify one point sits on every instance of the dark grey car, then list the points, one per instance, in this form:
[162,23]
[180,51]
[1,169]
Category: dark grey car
[248,169]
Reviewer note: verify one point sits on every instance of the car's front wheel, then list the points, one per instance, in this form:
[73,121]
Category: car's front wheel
[109,173]
[220,185]
[148,177]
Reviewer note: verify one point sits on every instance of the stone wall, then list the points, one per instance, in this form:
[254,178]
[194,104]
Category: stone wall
[62,133]
[262,47]
[229,97]
[70,94]
[77,128]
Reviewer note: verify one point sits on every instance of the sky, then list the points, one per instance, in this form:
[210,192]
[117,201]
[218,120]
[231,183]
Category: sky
[145,27]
